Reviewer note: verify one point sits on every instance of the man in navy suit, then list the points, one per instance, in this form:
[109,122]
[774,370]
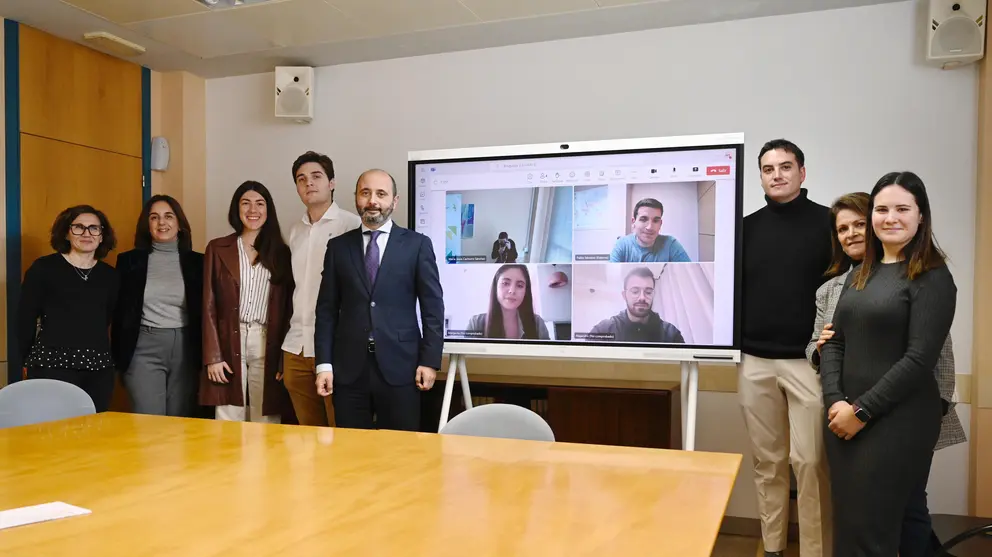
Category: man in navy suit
[368,345]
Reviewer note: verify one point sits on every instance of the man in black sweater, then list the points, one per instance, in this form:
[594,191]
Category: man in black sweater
[786,252]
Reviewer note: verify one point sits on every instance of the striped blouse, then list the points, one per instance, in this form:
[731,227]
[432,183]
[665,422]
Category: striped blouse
[254,288]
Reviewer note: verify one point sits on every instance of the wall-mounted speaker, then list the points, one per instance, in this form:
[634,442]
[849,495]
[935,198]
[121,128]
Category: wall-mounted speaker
[160,153]
[294,93]
[956,32]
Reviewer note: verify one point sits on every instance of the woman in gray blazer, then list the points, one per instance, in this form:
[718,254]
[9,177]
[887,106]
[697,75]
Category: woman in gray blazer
[848,218]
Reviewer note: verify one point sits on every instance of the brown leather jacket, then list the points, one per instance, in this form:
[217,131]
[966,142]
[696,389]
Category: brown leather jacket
[222,327]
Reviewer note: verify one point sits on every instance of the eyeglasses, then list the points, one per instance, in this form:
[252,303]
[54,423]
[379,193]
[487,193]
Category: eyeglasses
[636,291]
[79,230]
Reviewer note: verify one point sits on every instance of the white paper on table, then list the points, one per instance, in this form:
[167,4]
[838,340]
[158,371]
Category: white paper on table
[39,513]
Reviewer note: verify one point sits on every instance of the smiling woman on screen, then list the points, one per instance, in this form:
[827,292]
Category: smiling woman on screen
[511,308]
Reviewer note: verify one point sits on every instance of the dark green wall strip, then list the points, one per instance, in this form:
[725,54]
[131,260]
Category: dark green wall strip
[146,133]
[12,130]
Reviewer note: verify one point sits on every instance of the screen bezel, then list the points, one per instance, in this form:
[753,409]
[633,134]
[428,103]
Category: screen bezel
[615,351]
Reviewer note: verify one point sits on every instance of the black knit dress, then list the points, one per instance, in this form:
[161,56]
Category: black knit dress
[887,341]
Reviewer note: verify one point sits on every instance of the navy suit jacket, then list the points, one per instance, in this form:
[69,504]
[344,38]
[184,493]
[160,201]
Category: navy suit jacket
[349,308]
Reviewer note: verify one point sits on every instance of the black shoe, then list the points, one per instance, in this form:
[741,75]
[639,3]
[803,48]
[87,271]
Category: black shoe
[774,554]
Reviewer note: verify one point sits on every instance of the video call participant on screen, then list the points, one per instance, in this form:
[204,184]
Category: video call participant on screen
[511,308]
[786,252]
[504,249]
[369,350]
[646,244]
[308,236]
[638,322]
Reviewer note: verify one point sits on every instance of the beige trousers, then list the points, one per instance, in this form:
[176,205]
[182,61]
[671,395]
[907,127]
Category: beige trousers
[783,411]
[252,379]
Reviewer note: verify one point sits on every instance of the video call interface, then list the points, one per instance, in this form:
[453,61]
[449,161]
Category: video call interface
[633,248]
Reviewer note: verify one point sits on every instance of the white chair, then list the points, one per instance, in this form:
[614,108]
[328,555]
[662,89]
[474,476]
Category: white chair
[507,421]
[33,401]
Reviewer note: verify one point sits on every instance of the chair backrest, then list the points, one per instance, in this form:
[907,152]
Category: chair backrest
[507,421]
[33,401]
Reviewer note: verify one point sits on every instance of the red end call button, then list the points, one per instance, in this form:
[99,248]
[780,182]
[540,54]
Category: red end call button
[718,170]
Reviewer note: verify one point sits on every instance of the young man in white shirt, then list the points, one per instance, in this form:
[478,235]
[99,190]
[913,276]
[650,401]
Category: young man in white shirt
[308,237]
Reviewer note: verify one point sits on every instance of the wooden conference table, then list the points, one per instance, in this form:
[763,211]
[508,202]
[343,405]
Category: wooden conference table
[181,487]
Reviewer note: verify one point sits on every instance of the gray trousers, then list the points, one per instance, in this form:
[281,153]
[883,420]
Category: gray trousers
[162,378]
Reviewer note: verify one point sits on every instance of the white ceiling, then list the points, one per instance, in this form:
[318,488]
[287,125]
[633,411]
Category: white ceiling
[185,35]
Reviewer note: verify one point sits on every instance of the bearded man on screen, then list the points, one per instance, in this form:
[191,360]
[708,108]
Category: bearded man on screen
[638,322]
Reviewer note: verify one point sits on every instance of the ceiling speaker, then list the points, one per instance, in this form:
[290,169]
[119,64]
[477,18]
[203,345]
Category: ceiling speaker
[956,32]
[294,93]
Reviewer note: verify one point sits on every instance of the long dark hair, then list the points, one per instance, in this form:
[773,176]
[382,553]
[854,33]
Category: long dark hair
[922,252]
[143,234]
[494,317]
[272,250]
[857,202]
[60,229]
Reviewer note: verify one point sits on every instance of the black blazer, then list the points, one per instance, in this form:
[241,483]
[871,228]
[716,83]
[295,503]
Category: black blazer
[348,307]
[132,267]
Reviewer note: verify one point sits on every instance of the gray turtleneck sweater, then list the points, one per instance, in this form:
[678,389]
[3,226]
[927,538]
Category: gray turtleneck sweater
[165,292]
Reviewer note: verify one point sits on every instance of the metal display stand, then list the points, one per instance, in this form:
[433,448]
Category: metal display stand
[689,390]
[455,362]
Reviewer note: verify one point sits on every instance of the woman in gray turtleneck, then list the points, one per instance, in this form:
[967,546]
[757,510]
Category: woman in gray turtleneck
[156,329]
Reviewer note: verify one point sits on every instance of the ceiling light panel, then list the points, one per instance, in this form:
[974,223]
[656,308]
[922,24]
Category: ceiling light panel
[393,17]
[213,4]
[497,10]
[132,11]
[298,22]
[611,3]
[206,35]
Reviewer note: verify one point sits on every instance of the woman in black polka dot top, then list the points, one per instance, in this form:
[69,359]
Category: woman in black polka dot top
[66,304]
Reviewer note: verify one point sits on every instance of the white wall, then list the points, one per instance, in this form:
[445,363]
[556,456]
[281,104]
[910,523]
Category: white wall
[600,238]
[707,220]
[859,106]
[556,303]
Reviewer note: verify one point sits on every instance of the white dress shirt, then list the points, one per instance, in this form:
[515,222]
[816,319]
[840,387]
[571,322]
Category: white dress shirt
[308,242]
[381,241]
[254,302]
[386,228]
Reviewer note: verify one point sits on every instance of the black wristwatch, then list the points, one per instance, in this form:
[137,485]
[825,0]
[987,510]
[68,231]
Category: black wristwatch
[861,414]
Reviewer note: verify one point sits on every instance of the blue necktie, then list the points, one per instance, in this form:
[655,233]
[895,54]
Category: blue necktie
[372,256]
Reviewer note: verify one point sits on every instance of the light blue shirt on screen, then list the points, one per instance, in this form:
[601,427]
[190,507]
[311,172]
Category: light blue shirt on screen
[665,249]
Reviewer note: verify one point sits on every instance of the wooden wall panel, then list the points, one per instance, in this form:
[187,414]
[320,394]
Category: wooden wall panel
[180,116]
[78,95]
[980,492]
[56,175]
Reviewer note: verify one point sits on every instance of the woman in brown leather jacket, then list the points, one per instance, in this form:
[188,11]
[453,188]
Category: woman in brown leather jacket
[247,292]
